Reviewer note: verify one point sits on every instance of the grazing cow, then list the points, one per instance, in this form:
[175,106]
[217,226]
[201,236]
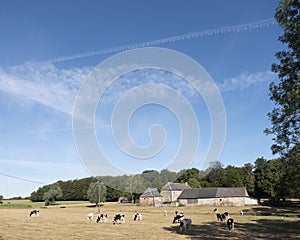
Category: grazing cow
[138,217]
[241,213]
[119,218]
[185,223]
[230,224]
[222,217]
[90,217]
[102,218]
[178,218]
[34,212]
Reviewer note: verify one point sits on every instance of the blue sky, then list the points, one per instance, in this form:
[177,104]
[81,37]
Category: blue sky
[37,93]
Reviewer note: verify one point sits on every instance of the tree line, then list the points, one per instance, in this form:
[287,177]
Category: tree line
[266,179]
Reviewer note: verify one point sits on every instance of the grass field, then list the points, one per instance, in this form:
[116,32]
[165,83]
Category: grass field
[70,222]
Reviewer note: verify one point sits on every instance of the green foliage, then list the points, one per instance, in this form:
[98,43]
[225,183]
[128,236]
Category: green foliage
[75,189]
[96,192]
[37,196]
[291,179]
[269,179]
[112,194]
[232,177]
[191,176]
[246,172]
[215,176]
[52,194]
[285,117]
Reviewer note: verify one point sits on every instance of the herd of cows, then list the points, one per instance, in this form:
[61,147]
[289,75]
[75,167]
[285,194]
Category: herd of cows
[184,223]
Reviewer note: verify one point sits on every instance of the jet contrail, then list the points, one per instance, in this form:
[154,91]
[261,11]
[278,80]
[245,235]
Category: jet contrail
[21,179]
[199,34]
[41,131]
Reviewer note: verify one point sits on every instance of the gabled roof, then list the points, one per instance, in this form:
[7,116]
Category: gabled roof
[170,186]
[151,192]
[197,193]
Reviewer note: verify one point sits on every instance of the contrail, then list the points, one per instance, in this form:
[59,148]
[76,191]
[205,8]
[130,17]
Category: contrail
[40,131]
[22,179]
[199,34]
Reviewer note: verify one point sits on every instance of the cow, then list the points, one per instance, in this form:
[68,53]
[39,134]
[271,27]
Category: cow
[102,218]
[90,216]
[34,212]
[185,223]
[230,224]
[138,217]
[178,218]
[222,217]
[119,218]
[219,217]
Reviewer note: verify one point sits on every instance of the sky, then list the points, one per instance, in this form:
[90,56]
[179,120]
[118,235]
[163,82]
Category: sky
[53,52]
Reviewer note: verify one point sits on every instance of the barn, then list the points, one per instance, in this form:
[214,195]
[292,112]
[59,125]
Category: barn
[171,191]
[151,197]
[237,196]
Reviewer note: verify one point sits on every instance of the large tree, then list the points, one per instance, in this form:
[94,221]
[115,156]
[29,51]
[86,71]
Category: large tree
[285,117]
[248,177]
[96,192]
[269,175]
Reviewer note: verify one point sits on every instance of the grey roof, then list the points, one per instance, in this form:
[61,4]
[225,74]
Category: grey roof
[151,192]
[170,186]
[196,193]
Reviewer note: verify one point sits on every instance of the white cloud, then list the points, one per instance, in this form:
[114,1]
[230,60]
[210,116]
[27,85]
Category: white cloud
[44,83]
[57,88]
[246,80]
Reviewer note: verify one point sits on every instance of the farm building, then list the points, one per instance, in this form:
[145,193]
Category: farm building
[216,197]
[151,197]
[171,191]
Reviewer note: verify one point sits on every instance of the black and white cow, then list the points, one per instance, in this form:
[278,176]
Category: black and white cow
[178,218]
[119,218]
[34,212]
[230,224]
[102,218]
[138,217]
[185,223]
[222,217]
